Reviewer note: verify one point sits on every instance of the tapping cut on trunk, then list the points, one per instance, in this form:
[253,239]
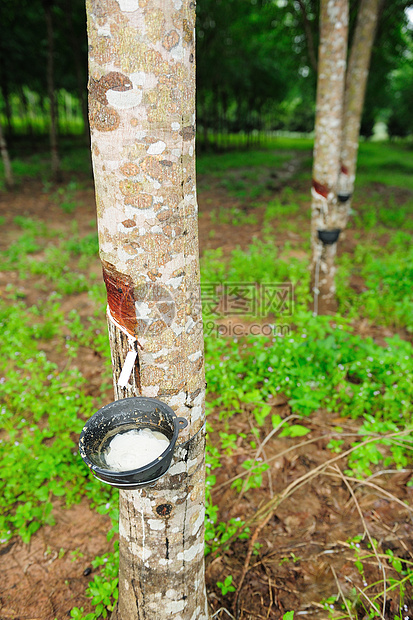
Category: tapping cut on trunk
[321,189]
[119,290]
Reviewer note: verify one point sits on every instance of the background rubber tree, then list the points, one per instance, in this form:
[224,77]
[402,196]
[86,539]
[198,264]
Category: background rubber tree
[142,119]
[326,213]
[355,90]
[8,174]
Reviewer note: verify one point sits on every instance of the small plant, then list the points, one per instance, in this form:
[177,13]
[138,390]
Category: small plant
[254,479]
[78,613]
[76,554]
[65,197]
[335,445]
[226,586]
[276,209]
[291,558]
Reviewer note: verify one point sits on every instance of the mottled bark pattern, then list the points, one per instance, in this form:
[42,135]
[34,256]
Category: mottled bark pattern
[356,81]
[326,213]
[142,118]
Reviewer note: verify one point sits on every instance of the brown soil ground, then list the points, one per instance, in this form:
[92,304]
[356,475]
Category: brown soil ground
[303,555]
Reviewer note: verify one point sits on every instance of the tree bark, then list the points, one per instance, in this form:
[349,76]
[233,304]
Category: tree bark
[142,119]
[55,161]
[308,35]
[325,211]
[356,82]
[8,174]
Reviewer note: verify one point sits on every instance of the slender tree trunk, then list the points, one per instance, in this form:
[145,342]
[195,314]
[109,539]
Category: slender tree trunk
[205,123]
[223,121]
[6,97]
[79,69]
[356,82]
[142,119]
[43,107]
[4,79]
[325,212]
[26,113]
[308,35]
[7,108]
[56,172]
[8,174]
[215,120]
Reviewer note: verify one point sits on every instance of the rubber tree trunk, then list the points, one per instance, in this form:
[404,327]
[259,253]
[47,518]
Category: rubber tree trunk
[142,119]
[8,174]
[356,82]
[325,212]
[55,161]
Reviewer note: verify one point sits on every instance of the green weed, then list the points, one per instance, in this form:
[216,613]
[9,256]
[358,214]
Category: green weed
[234,216]
[387,273]
[226,586]
[367,602]
[38,419]
[277,209]
[65,197]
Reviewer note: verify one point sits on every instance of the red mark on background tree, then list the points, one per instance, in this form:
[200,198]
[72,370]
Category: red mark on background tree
[320,188]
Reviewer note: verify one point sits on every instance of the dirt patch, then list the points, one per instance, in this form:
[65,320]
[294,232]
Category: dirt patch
[45,579]
[304,546]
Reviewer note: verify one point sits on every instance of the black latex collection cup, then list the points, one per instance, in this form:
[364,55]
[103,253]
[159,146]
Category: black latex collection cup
[125,415]
[328,237]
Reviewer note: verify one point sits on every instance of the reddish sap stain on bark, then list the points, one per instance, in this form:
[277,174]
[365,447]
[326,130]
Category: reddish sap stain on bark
[320,189]
[344,169]
[121,301]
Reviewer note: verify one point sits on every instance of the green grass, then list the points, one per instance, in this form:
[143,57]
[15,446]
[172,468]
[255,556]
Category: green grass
[387,163]
[218,165]
[51,258]
[378,162]
[388,277]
